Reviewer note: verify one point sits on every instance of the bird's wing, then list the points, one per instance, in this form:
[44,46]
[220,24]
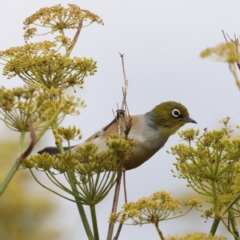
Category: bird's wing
[102,133]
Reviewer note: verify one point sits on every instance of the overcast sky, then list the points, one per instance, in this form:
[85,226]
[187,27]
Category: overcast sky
[162,41]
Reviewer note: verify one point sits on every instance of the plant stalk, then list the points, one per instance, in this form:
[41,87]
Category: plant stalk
[115,203]
[216,210]
[14,168]
[94,222]
[214,226]
[234,225]
[8,178]
[125,197]
[80,208]
[159,231]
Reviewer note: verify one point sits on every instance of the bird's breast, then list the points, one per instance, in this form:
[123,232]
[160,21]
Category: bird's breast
[143,131]
[149,141]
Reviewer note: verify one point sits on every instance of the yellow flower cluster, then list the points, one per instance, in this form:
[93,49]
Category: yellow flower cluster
[226,52]
[94,172]
[58,18]
[153,209]
[86,159]
[210,163]
[40,63]
[29,105]
[196,236]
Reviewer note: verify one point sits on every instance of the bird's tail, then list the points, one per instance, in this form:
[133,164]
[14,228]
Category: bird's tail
[51,150]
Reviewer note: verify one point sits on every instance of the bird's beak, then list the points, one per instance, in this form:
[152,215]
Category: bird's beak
[188,120]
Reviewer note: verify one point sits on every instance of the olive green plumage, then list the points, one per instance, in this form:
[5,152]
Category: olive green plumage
[170,116]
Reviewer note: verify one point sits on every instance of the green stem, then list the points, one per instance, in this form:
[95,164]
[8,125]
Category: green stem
[228,228]
[49,123]
[214,193]
[231,204]
[71,178]
[214,226]
[49,189]
[216,210]
[234,225]
[80,208]
[63,34]
[94,222]
[16,165]
[21,142]
[159,231]
[14,168]
[234,71]
[8,178]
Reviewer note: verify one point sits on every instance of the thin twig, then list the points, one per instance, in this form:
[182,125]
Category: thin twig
[125,186]
[235,42]
[125,197]
[124,125]
[224,35]
[75,38]
[124,102]
[118,231]
[115,203]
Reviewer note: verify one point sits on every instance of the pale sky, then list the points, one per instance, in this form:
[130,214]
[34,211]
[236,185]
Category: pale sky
[162,41]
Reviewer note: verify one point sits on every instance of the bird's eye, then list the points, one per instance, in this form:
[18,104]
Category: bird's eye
[175,113]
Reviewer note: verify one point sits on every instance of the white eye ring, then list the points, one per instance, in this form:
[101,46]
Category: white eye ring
[176,113]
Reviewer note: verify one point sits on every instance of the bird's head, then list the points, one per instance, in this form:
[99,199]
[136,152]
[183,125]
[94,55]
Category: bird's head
[170,116]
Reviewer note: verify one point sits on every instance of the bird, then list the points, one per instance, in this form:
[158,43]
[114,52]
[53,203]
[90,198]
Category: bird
[150,131]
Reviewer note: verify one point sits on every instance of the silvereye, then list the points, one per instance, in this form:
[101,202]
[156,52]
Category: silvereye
[150,131]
